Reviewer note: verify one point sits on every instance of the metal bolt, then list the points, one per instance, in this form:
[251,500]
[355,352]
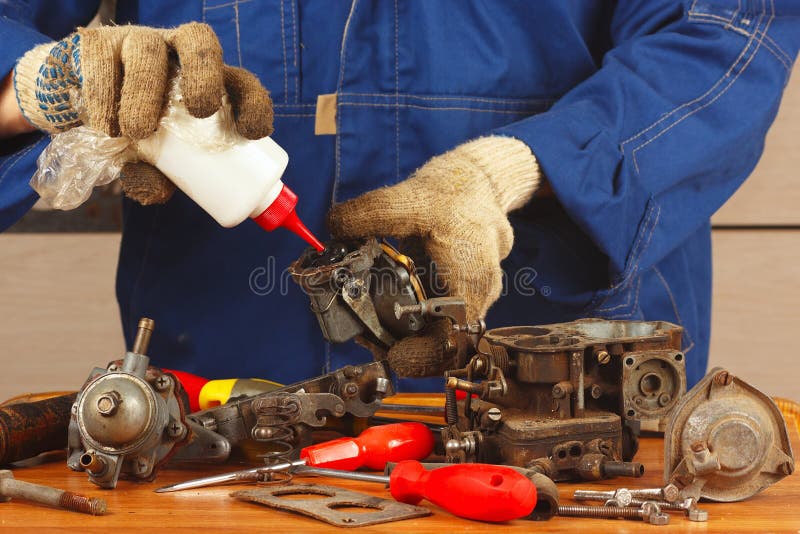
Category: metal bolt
[687,506]
[603,357]
[664,399]
[622,496]
[142,465]
[494,414]
[338,409]
[596,392]
[66,500]
[351,389]
[649,512]
[669,493]
[113,367]
[108,403]
[163,382]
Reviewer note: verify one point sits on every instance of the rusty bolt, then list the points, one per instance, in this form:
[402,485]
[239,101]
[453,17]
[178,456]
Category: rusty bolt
[664,399]
[723,378]
[603,357]
[671,493]
[66,500]
[351,389]
[698,446]
[786,468]
[338,409]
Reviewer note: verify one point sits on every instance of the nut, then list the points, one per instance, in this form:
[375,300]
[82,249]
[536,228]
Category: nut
[695,514]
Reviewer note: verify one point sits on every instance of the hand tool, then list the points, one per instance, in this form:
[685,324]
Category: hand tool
[31,428]
[66,500]
[482,492]
[372,448]
[547,498]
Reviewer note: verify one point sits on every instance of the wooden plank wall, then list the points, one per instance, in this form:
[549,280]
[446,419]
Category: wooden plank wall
[58,314]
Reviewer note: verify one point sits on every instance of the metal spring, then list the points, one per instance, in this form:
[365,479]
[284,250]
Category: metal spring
[273,416]
[450,407]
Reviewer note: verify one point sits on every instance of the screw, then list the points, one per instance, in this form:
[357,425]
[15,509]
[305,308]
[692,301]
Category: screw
[723,378]
[649,512]
[664,399]
[351,389]
[603,357]
[163,382]
[66,500]
[494,414]
[596,391]
[176,430]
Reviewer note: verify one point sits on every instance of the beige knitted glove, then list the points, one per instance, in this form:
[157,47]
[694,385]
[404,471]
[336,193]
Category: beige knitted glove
[115,79]
[457,205]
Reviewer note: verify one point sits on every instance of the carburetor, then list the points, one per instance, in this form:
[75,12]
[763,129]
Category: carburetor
[566,399]
[127,419]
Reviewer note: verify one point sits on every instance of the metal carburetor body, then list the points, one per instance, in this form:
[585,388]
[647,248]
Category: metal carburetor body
[567,398]
[127,419]
[353,290]
[564,399]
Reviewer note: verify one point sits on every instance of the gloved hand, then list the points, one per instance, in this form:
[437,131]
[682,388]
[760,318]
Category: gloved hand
[115,79]
[456,205]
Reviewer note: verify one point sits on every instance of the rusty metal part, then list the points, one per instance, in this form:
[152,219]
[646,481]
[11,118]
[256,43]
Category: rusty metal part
[128,419]
[726,441]
[332,505]
[649,512]
[354,288]
[353,389]
[567,398]
[10,488]
[31,428]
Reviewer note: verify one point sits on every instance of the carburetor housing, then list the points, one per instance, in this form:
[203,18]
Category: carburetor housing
[566,398]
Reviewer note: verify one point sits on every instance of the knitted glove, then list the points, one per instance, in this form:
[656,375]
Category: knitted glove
[457,205]
[115,79]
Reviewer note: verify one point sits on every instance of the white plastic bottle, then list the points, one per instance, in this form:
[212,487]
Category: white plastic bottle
[230,177]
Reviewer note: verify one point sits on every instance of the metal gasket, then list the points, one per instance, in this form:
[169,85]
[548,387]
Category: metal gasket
[332,499]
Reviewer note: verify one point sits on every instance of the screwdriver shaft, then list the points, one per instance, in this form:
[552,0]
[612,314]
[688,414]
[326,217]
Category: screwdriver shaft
[349,475]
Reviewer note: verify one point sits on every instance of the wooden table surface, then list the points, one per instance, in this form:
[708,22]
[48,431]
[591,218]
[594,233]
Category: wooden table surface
[134,506]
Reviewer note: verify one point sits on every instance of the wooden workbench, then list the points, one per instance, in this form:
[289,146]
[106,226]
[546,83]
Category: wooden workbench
[134,506]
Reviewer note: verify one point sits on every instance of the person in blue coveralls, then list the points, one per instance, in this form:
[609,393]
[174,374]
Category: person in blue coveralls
[573,150]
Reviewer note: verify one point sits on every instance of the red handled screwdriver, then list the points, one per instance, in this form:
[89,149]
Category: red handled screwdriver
[474,491]
[372,448]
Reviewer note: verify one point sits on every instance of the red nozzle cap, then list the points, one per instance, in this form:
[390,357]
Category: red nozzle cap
[282,213]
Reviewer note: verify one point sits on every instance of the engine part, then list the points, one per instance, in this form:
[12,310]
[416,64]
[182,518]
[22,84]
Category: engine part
[329,507]
[726,441]
[354,290]
[284,417]
[129,419]
[566,399]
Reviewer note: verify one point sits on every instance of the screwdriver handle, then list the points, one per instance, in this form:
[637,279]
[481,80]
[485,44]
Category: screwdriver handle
[373,448]
[474,491]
